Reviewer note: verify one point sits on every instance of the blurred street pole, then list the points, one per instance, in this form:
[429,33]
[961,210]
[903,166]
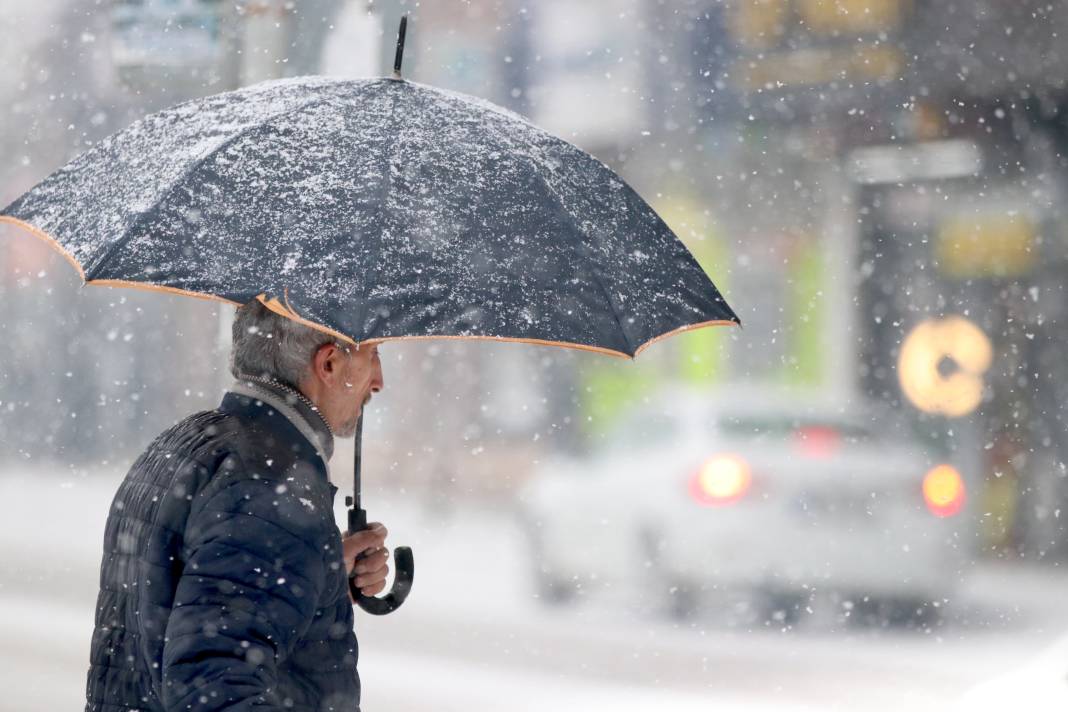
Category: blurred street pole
[841,235]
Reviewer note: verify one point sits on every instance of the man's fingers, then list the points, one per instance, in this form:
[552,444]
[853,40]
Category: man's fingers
[373,590]
[362,540]
[372,579]
[371,573]
[369,591]
[372,562]
[352,548]
[366,556]
[370,538]
[375,533]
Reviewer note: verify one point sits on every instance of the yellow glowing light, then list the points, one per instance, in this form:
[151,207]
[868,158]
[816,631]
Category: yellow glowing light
[942,363]
[722,479]
[943,490]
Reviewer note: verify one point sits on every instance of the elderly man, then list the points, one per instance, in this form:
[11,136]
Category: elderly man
[223,584]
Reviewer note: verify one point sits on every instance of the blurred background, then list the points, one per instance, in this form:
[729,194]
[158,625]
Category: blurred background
[857,501]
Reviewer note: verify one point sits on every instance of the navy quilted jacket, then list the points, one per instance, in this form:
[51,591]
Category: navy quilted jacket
[222,585]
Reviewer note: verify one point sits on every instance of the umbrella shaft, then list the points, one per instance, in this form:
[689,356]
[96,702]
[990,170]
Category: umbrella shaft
[400,47]
[357,462]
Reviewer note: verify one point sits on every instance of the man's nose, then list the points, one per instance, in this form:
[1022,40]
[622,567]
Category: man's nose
[376,379]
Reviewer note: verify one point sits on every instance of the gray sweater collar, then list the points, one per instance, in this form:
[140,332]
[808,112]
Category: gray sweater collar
[291,403]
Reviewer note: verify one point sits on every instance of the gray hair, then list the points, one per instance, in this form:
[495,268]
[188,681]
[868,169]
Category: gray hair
[270,345]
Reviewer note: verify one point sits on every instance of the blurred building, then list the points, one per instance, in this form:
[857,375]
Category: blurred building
[845,170]
[930,137]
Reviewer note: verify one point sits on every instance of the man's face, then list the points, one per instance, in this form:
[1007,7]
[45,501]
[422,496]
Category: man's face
[359,376]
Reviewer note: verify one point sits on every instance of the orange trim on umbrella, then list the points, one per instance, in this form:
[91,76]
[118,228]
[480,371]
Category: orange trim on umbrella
[512,339]
[285,310]
[289,312]
[55,245]
[159,288]
[687,327]
[51,241]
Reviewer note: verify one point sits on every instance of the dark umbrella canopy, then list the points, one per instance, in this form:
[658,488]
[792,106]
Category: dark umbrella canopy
[376,209]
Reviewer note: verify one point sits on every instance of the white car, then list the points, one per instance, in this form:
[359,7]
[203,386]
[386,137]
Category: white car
[755,491]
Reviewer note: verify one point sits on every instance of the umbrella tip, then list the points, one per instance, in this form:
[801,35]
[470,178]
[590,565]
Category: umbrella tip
[400,47]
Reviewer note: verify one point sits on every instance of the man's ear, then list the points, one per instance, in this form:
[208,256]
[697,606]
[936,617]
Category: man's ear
[324,361]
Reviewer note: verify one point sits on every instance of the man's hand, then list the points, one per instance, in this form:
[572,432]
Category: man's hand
[371,571]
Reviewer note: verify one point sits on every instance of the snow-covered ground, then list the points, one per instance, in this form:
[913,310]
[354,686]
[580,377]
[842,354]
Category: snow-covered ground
[1041,683]
[472,636]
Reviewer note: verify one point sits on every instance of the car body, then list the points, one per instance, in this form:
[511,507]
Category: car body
[752,489]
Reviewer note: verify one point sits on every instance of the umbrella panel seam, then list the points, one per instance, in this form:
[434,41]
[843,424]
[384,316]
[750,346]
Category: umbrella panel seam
[128,234]
[373,268]
[582,249]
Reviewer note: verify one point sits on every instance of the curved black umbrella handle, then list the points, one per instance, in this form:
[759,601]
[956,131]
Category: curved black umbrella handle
[403,577]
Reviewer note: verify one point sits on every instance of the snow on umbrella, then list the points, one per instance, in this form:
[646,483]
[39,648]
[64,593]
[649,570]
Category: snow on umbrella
[375,210]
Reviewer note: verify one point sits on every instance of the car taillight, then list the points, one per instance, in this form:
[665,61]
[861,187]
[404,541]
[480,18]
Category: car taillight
[817,441]
[720,480]
[943,491]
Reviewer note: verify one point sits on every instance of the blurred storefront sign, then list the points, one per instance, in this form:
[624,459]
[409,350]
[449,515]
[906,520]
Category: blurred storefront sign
[765,24]
[796,43]
[970,231]
[928,160]
[760,23]
[986,245]
[790,58]
[811,67]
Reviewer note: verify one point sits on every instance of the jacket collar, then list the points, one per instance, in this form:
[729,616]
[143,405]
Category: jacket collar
[297,409]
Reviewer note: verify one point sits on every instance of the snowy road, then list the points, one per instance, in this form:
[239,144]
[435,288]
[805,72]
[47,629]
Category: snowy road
[483,642]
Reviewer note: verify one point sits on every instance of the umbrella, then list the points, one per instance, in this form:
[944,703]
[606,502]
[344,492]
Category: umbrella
[376,210]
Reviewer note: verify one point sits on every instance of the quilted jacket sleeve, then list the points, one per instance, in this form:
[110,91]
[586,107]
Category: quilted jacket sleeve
[253,573]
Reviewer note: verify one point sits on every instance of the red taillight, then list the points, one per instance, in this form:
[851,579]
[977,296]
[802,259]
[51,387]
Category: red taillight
[720,480]
[817,441]
[943,491]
